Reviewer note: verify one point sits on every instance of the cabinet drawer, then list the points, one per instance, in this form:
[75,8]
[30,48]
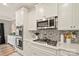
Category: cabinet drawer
[44,48]
[40,52]
[27,49]
[68,53]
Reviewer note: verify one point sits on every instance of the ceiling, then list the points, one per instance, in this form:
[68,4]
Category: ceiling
[7,12]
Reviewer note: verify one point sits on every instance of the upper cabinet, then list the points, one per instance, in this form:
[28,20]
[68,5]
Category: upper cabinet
[76,16]
[39,12]
[65,16]
[32,20]
[46,10]
[21,16]
[68,15]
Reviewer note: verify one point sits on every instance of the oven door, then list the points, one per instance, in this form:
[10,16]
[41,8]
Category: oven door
[19,31]
[19,43]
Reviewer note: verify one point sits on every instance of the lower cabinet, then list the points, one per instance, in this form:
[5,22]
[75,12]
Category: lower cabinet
[33,49]
[11,40]
[40,52]
[44,50]
[67,53]
[27,50]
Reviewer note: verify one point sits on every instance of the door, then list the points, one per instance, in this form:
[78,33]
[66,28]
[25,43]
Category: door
[2,39]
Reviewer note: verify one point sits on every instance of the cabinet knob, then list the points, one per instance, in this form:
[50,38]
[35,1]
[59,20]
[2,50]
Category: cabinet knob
[71,26]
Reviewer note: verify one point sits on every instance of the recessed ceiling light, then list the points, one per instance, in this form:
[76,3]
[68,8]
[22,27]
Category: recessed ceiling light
[5,4]
[41,10]
[65,4]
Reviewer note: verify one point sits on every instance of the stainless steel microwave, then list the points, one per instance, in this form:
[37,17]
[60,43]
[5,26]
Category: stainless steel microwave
[48,23]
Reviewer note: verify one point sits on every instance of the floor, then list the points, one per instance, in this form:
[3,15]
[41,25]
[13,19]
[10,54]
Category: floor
[8,50]
[15,54]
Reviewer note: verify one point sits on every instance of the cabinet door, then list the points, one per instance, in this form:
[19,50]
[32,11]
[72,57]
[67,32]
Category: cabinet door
[46,10]
[42,50]
[75,16]
[65,16]
[39,11]
[27,48]
[9,39]
[67,53]
[50,9]
[32,20]
[37,51]
[19,20]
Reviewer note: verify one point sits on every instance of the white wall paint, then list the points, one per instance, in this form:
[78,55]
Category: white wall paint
[13,27]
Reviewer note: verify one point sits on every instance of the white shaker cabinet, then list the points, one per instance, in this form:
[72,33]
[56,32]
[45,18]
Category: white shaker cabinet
[68,16]
[46,10]
[67,53]
[42,50]
[39,12]
[32,20]
[65,17]
[34,49]
[76,16]
[12,40]
[27,50]
[50,9]
[19,17]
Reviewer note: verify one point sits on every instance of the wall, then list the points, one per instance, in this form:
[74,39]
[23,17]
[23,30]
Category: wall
[13,27]
[7,27]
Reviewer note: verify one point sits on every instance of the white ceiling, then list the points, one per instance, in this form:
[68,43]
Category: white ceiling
[8,12]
